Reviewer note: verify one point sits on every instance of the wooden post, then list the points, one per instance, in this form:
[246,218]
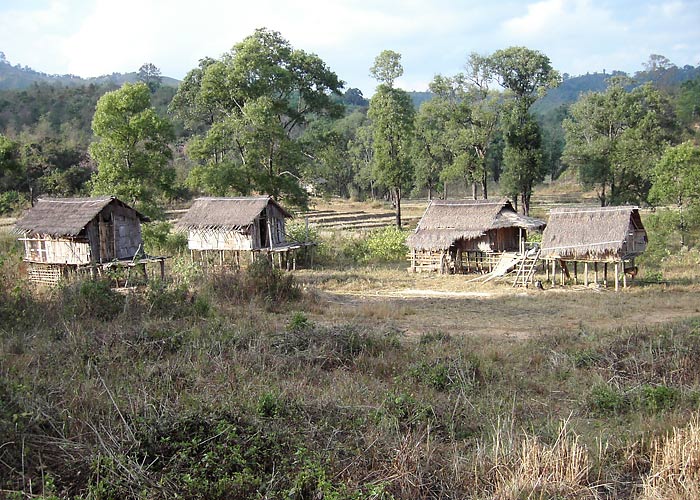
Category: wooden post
[162,269]
[624,275]
[595,272]
[554,272]
[546,267]
[575,273]
[617,277]
[585,273]
[413,260]
[605,274]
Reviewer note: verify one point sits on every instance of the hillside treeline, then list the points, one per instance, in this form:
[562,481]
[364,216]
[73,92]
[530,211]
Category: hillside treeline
[270,118]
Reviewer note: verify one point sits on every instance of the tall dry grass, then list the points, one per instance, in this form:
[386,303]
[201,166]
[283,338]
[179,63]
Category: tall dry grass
[525,467]
[675,465]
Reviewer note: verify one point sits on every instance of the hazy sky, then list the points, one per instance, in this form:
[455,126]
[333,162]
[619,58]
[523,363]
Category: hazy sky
[95,37]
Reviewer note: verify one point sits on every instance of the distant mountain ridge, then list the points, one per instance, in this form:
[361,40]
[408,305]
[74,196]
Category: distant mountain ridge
[20,77]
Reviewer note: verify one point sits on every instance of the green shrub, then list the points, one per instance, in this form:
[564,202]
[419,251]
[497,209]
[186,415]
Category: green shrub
[158,238]
[92,299]
[11,201]
[658,398]
[606,400]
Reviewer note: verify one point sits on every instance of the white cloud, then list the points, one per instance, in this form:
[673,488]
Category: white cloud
[92,37]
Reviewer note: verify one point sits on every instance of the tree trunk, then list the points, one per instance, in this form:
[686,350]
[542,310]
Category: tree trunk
[430,193]
[397,194]
[475,193]
[484,186]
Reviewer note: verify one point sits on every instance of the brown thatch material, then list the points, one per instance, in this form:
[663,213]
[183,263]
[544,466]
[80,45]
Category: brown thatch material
[446,221]
[590,233]
[226,213]
[65,216]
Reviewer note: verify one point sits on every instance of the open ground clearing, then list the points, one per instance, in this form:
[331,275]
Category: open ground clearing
[418,304]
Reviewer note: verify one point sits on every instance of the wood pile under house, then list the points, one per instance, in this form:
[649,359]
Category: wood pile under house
[462,236]
[594,236]
[224,231]
[64,236]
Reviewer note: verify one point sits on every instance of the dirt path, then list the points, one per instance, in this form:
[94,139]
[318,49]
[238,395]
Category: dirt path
[506,313]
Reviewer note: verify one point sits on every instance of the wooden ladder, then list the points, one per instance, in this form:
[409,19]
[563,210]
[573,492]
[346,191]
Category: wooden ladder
[526,270]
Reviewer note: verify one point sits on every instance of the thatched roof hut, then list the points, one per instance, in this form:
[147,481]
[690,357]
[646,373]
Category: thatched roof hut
[596,234]
[60,232]
[486,225]
[67,216]
[240,223]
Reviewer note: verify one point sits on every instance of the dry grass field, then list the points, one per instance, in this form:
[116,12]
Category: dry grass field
[352,380]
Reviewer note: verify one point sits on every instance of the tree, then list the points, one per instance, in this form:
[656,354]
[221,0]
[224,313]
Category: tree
[131,148]
[676,180]
[150,75]
[432,152]
[387,67]
[615,137]
[10,166]
[392,113]
[473,118]
[247,111]
[527,74]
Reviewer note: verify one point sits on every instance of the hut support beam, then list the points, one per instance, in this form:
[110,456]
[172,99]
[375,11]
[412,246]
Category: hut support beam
[585,273]
[595,273]
[617,276]
[605,274]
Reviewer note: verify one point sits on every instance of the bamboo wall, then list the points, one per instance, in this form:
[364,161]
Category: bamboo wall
[219,240]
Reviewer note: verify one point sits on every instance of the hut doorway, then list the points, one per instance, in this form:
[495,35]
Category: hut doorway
[262,229]
[106,231]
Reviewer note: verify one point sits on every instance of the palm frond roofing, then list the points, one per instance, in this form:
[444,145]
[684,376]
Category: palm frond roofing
[65,216]
[587,232]
[225,213]
[446,221]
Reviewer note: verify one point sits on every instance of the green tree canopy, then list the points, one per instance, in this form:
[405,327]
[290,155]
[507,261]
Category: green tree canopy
[247,110]
[676,180]
[387,67]
[527,74]
[615,137]
[149,74]
[131,149]
[392,113]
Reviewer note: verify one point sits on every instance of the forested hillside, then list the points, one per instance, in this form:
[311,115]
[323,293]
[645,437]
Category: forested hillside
[20,77]
[289,137]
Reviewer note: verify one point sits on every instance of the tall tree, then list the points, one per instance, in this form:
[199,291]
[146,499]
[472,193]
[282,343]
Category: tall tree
[387,67]
[527,74]
[432,151]
[150,75]
[615,137]
[473,118]
[676,180]
[392,113]
[131,149]
[247,110]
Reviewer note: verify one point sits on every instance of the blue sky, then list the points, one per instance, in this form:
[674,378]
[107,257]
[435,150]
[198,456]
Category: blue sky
[95,37]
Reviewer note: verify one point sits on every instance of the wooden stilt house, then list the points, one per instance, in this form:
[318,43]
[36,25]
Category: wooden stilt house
[62,235]
[601,238]
[467,235]
[222,230]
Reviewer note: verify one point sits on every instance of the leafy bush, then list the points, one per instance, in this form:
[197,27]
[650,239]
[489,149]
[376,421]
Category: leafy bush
[11,201]
[92,299]
[259,281]
[606,400]
[158,238]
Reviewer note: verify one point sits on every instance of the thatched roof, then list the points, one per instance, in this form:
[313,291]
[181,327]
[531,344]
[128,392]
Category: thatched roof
[446,221]
[226,213]
[588,232]
[65,216]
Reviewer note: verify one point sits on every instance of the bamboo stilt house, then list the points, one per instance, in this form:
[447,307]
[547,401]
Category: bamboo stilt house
[223,228]
[464,235]
[594,235]
[66,234]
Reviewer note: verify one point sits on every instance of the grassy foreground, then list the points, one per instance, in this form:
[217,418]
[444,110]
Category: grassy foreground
[225,386]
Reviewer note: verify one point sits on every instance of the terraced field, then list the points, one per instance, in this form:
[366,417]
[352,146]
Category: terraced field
[338,214]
